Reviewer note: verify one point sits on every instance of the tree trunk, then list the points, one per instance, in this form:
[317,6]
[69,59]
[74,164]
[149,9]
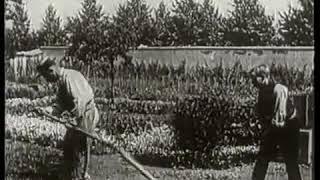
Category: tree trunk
[112,81]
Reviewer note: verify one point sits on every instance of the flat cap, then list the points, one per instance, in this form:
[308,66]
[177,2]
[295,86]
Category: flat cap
[45,64]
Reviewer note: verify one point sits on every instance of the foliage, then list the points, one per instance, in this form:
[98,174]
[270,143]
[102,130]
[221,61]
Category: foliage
[9,10]
[135,16]
[201,123]
[195,23]
[129,28]
[154,142]
[185,19]
[296,79]
[9,48]
[27,159]
[120,123]
[51,32]
[85,33]
[123,105]
[212,24]
[155,82]
[21,106]
[98,39]
[20,37]
[14,90]
[34,129]
[248,25]
[297,25]
[162,26]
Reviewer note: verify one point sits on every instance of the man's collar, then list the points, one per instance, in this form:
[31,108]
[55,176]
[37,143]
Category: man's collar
[61,70]
[61,73]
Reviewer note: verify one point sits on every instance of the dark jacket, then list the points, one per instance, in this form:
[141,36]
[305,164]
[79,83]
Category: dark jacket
[274,105]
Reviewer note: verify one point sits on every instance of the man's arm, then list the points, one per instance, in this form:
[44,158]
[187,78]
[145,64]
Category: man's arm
[280,108]
[80,90]
[55,107]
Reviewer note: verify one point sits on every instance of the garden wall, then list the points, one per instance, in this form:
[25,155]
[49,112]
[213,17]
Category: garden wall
[211,56]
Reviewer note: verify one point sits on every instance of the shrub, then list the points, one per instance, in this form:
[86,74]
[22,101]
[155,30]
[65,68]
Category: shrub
[202,122]
[123,105]
[20,106]
[118,123]
[31,91]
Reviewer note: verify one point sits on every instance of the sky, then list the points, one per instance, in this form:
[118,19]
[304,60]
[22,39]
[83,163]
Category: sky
[65,8]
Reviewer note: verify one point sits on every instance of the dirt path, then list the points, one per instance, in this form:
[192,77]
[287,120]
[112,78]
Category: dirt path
[114,168]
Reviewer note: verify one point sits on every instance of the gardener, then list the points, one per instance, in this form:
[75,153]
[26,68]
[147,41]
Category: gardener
[280,122]
[75,96]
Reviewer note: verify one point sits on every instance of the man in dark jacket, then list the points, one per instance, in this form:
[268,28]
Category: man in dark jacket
[75,96]
[280,122]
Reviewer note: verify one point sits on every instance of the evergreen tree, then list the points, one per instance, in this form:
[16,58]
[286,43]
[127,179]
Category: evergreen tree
[21,36]
[297,25]
[197,24]
[135,15]
[51,32]
[211,25]
[186,20]
[248,25]
[85,32]
[9,49]
[9,9]
[162,26]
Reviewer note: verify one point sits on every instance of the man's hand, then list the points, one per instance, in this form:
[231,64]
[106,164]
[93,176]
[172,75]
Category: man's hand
[48,109]
[278,121]
[278,124]
[66,114]
[40,110]
[78,108]
[68,117]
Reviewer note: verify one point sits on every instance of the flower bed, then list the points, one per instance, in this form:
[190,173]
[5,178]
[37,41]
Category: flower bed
[21,106]
[123,105]
[155,143]
[118,123]
[17,90]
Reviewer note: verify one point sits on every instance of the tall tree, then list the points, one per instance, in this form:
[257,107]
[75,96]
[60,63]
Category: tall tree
[9,49]
[22,39]
[135,15]
[9,36]
[248,24]
[85,32]
[297,24]
[186,18]
[162,26]
[51,31]
[130,27]
[196,23]
[9,9]
[210,25]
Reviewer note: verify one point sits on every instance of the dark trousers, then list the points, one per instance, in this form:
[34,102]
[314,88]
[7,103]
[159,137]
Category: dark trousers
[76,148]
[76,152]
[288,141]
